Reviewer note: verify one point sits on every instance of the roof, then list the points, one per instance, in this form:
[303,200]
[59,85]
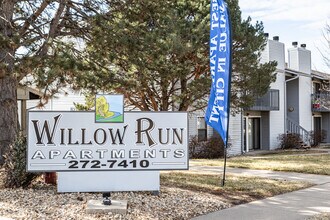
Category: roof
[28,93]
[320,75]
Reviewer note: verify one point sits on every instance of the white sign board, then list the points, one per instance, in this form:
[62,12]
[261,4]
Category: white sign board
[107,181]
[73,141]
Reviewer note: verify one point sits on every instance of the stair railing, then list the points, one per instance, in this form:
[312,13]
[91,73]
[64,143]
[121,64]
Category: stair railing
[293,127]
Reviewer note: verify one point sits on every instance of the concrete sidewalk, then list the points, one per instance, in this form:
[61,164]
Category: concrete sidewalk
[312,178]
[298,205]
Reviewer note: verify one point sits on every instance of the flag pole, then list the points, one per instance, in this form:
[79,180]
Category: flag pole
[218,109]
[228,99]
[224,167]
[226,144]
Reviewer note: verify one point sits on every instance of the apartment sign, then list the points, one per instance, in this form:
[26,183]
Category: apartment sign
[74,141]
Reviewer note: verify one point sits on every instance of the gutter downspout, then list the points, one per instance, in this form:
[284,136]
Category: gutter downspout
[285,98]
[242,132]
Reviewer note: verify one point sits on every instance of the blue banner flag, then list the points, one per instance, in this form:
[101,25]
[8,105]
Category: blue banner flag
[217,113]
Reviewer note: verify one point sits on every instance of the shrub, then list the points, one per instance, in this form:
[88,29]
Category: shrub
[316,137]
[194,147]
[15,165]
[211,148]
[290,140]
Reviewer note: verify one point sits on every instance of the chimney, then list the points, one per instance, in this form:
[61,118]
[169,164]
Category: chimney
[274,51]
[299,58]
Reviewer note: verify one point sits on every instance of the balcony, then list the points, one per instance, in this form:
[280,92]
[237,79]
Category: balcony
[268,102]
[321,102]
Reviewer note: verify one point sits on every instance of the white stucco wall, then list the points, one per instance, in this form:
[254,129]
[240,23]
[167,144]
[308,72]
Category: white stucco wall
[62,101]
[305,112]
[265,54]
[276,118]
[277,53]
[235,134]
[274,51]
[192,124]
[235,131]
[299,59]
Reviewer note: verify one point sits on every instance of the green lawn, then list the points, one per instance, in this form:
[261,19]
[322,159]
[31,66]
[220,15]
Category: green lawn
[315,164]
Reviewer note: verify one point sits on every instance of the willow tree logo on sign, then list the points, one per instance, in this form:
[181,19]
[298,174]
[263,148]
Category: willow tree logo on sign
[67,141]
[109,108]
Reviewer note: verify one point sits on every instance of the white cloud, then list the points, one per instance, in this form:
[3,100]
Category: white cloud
[287,10]
[293,20]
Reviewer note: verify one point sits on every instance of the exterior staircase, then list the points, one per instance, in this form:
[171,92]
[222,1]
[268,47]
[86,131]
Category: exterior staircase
[294,128]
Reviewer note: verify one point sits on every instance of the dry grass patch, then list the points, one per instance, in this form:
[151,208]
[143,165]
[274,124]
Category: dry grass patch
[293,152]
[237,190]
[314,164]
[323,216]
[183,195]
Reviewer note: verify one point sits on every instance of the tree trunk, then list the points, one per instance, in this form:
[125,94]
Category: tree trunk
[8,113]
[8,80]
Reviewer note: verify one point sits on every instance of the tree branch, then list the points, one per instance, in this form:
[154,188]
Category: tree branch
[33,17]
[53,27]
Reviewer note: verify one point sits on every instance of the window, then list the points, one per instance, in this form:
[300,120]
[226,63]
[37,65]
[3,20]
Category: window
[316,87]
[201,129]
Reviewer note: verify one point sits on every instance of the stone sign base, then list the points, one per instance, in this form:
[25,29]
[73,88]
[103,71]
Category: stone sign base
[97,207]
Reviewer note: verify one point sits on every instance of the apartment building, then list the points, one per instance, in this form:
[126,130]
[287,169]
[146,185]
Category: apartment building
[297,102]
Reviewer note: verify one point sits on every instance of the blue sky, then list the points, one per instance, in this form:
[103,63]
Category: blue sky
[115,102]
[293,20]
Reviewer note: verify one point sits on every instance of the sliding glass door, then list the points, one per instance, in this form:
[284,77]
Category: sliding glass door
[251,134]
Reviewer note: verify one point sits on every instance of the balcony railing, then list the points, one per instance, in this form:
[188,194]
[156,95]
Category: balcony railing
[268,102]
[321,102]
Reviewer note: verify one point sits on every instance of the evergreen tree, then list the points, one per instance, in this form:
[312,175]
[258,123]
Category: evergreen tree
[147,51]
[36,46]
[156,54]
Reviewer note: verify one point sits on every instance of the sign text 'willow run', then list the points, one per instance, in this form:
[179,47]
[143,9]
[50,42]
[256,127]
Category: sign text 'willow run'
[72,141]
